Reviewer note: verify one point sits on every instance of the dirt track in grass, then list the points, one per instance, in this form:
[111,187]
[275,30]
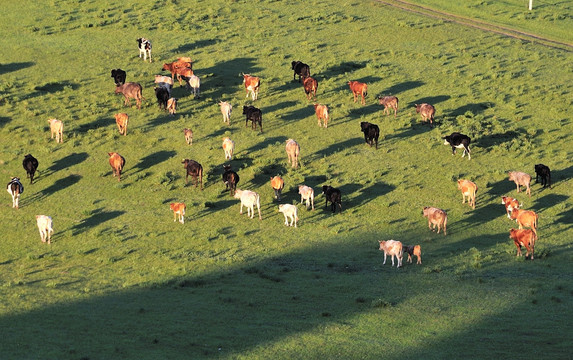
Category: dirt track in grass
[478,24]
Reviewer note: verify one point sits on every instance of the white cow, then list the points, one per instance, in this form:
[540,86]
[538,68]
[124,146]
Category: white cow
[249,199]
[226,109]
[306,193]
[228,148]
[57,127]
[193,83]
[289,211]
[45,226]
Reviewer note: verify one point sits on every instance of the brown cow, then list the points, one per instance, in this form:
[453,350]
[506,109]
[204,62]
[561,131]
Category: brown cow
[436,218]
[321,114]
[520,179]
[510,204]
[252,84]
[194,169]
[358,88]
[278,185]
[525,218]
[293,151]
[121,120]
[117,163]
[310,86]
[57,127]
[389,102]
[178,209]
[523,237]
[181,67]
[392,248]
[427,112]
[188,136]
[468,189]
[130,90]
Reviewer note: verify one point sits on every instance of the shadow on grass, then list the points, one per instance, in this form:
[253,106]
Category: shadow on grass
[4,121]
[153,159]
[432,100]
[96,218]
[6,68]
[59,185]
[336,147]
[67,162]
[398,88]
[195,45]
[476,108]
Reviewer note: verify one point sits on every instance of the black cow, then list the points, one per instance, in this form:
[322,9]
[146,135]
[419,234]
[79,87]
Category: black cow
[118,76]
[195,170]
[544,172]
[162,95]
[333,195]
[231,179]
[459,141]
[301,69]
[371,133]
[30,164]
[255,115]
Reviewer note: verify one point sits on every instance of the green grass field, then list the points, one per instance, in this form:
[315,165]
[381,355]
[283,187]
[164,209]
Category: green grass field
[121,280]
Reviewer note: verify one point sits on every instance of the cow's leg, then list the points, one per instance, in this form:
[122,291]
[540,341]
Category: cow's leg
[384,263]
[182,219]
[241,211]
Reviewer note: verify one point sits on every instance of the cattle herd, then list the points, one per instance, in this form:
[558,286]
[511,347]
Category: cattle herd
[182,69]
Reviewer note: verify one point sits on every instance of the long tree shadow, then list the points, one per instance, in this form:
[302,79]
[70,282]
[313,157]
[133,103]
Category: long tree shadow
[6,68]
[153,159]
[96,218]
[486,142]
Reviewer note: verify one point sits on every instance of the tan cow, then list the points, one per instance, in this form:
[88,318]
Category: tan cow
[392,248]
[228,148]
[45,226]
[389,102]
[427,112]
[172,106]
[121,120]
[178,211]
[525,218]
[358,88]
[57,128]
[130,90]
[289,211]
[523,237]
[293,151]
[468,189]
[510,204]
[436,218]
[520,179]
[117,163]
[188,136]
[249,199]
[278,184]
[306,193]
[226,109]
[321,114]
[252,84]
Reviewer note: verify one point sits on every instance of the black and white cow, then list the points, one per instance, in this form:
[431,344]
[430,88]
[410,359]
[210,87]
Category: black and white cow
[118,76]
[30,164]
[459,141]
[255,115]
[333,195]
[371,133]
[15,188]
[144,46]
[301,69]
[544,172]
[231,179]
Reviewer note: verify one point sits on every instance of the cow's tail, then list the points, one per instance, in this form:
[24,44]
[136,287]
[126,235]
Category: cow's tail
[445,223]
[201,176]
[259,206]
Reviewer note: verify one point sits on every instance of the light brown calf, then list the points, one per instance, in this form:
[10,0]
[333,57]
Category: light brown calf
[172,106]
[121,120]
[57,128]
[389,102]
[321,114]
[310,87]
[358,88]
[293,151]
[252,84]
[392,248]
[306,193]
[117,163]
[468,189]
[427,112]
[520,179]
[436,218]
[289,211]
[188,136]
[413,250]
[178,211]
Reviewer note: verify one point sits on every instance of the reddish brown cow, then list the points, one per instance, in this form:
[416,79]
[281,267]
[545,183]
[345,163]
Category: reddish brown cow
[252,84]
[526,238]
[117,163]
[525,218]
[389,102]
[436,218]
[520,179]
[510,204]
[358,88]
[130,90]
[310,86]
[121,120]
[427,112]
[321,114]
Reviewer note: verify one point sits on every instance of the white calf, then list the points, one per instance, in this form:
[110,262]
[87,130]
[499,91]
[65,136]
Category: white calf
[193,84]
[289,211]
[228,148]
[57,127]
[226,109]
[306,193]
[45,226]
[249,199]
[392,248]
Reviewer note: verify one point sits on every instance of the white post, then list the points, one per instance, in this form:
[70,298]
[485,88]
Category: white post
[530,5]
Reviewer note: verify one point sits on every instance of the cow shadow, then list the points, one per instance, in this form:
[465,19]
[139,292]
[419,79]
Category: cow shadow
[343,68]
[548,201]
[558,175]
[162,119]
[266,172]
[432,100]
[367,194]
[153,159]
[96,218]
[416,128]
[53,87]
[196,45]
[60,184]
[6,68]
[4,121]
[281,106]
[339,146]
[501,188]
[483,214]
[398,88]
[297,114]
[269,141]
[211,207]
[475,109]
[67,162]
[101,122]
[486,142]
[363,111]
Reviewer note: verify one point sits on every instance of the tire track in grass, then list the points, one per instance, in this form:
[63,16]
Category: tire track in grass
[478,24]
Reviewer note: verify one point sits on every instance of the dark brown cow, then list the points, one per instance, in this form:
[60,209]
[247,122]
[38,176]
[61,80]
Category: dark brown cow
[30,164]
[310,86]
[117,163]
[358,88]
[130,90]
[194,169]
[389,102]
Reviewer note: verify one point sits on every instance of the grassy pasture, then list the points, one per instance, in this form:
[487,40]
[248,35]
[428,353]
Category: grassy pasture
[122,280]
